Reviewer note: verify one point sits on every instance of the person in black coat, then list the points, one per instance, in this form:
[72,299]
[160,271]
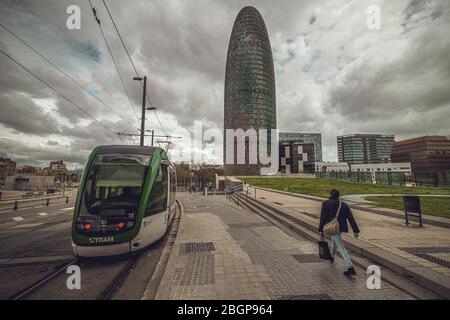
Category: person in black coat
[328,213]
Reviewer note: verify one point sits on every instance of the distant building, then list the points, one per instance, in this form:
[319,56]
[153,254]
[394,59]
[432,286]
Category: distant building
[27,169]
[382,167]
[29,182]
[365,148]
[331,167]
[7,168]
[426,154]
[296,157]
[314,138]
[57,166]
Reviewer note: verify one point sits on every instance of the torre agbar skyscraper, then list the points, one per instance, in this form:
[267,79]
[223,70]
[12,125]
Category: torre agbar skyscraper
[249,84]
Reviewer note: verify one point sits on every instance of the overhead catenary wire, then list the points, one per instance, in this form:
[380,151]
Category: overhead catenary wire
[55,90]
[131,60]
[65,73]
[112,57]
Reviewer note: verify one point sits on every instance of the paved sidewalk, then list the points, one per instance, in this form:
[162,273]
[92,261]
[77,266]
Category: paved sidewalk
[391,234]
[225,252]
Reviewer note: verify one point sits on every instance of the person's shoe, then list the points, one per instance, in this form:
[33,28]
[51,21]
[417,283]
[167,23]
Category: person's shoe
[350,272]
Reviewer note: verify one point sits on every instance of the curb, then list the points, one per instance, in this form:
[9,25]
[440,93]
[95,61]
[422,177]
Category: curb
[163,290]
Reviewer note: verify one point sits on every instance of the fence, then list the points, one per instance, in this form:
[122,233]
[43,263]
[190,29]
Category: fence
[420,179]
[432,179]
[10,205]
[358,177]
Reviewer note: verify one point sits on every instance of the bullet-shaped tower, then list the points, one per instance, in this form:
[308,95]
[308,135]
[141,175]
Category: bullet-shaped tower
[249,82]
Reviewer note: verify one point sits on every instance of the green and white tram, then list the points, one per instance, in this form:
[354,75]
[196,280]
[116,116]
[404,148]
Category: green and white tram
[125,202]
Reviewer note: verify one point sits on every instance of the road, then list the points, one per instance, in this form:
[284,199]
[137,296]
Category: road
[39,244]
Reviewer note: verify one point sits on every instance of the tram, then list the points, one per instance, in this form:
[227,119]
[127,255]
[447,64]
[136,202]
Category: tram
[125,201]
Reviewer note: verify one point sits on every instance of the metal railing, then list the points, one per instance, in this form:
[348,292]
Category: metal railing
[419,179]
[13,205]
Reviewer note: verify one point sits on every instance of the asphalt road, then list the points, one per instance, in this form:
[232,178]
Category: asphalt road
[36,246]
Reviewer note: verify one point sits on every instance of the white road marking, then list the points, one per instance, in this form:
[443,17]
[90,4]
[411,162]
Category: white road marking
[43,214]
[67,209]
[17,219]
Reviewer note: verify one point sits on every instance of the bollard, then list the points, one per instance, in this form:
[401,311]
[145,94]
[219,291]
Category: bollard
[47,203]
[67,199]
[16,204]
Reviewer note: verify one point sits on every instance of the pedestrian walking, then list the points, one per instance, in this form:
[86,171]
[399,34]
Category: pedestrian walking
[334,215]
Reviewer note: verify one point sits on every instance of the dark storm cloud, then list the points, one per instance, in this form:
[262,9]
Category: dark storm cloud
[333,75]
[22,115]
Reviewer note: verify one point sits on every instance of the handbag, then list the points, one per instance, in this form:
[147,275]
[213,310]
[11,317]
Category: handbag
[324,250]
[332,227]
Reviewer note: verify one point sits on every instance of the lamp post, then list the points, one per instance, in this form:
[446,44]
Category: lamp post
[144,93]
[153,131]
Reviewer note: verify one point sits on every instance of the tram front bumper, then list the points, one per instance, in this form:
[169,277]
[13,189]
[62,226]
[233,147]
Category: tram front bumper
[101,251]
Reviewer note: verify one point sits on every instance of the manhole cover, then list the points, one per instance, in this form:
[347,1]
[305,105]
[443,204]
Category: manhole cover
[307,258]
[192,247]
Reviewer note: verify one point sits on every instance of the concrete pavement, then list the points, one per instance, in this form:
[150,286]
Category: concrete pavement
[386,232]
[224,252]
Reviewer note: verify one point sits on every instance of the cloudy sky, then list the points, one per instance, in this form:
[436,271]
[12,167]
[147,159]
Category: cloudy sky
[334,75]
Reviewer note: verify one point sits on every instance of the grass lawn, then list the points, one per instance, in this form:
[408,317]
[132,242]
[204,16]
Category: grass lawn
[321,187]
[430,205]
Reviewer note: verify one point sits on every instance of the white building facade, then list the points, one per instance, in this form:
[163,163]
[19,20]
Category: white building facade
[331,167]
[382,167]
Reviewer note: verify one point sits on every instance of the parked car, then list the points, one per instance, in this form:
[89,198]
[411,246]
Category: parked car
[29,194]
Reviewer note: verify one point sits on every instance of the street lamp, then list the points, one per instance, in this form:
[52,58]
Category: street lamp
[152,108]
[144,94]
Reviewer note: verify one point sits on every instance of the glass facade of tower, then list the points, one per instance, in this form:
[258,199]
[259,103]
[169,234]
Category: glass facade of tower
[365,148]
[249,81]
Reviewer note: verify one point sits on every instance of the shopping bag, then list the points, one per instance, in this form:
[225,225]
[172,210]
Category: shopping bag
[324,250]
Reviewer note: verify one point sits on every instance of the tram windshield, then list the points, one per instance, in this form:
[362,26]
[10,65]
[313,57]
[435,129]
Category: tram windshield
[114,185]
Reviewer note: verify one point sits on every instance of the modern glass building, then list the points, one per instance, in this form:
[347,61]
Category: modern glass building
[249,83]
[314,138]
[365,148]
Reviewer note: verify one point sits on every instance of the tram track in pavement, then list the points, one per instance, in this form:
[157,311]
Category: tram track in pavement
[43,281]
[94,265]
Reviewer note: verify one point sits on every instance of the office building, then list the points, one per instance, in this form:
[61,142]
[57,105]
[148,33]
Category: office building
[426,154]
[365,148]
[296,157]
[298,137]
[249,84]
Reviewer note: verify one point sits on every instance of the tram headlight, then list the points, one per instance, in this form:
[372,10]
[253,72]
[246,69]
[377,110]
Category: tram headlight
[120,225]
